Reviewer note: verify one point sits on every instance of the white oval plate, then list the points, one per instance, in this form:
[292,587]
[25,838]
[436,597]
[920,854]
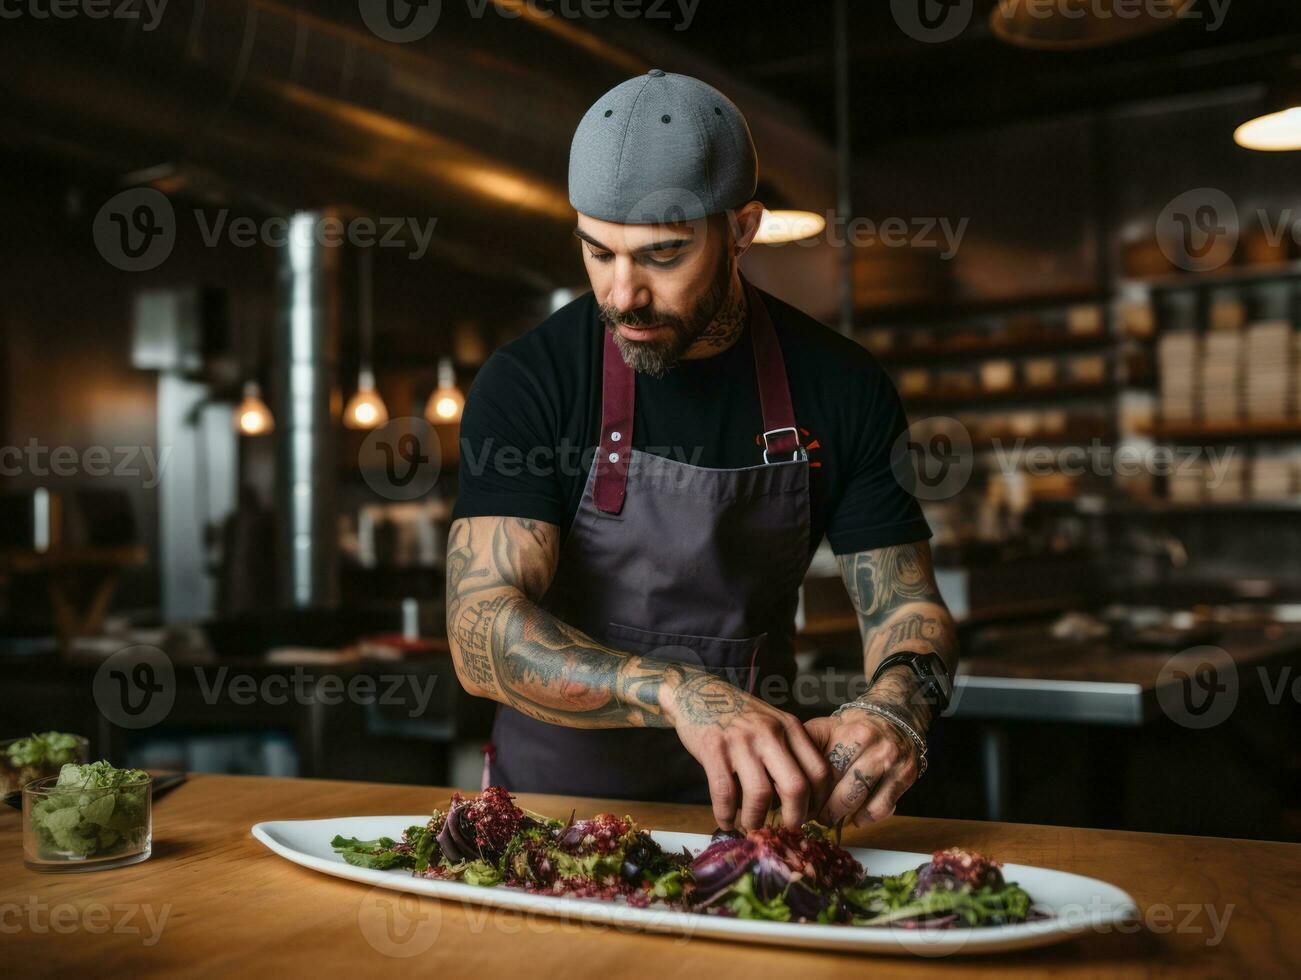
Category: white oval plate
[1077,904]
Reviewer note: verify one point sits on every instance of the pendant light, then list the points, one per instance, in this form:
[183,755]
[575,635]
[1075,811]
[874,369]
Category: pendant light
[446,402]
[365,409]
[1279,126]
[1080,23]
[252,417]
[777,227]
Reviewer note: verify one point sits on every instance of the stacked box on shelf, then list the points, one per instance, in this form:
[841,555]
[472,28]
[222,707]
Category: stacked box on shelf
[1221,376]
[1177,353]
[1270,372]
[1274,474]
[1227,482]
[1188,482]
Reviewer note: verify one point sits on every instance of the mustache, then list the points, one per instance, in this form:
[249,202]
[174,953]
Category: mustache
[647,317]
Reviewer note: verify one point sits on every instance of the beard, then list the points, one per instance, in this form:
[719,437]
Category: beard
[657,357]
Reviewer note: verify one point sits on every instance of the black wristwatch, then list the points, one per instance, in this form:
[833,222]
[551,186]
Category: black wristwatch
[937,688]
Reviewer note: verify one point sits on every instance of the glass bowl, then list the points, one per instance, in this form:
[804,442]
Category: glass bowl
[68,828]
[14,775]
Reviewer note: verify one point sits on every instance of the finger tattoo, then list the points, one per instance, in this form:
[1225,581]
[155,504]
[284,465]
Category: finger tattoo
[842,755]
[861,788]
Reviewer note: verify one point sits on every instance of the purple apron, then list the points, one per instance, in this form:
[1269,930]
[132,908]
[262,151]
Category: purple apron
[677,562]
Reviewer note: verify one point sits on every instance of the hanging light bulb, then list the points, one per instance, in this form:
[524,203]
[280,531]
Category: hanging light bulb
[252,417]
[780,226]
[365,409]
[1279,127]
[446,402]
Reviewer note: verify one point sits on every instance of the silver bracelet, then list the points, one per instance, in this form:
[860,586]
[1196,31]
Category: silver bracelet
[918,742]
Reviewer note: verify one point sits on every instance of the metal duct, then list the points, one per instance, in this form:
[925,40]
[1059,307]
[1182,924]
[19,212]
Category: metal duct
[306,398]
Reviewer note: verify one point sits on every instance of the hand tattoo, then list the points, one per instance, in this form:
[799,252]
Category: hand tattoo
[705,699]
[842,755]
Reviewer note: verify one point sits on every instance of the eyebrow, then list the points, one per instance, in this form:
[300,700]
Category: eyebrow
[652,247]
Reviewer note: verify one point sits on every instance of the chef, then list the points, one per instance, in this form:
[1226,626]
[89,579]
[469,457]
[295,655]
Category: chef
[644,479]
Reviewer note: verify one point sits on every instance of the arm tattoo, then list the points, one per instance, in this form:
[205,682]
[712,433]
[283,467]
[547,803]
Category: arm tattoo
[899,609]
[509,648]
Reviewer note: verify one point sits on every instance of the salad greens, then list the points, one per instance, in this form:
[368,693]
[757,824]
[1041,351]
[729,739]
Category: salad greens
[774,874]
[93,810]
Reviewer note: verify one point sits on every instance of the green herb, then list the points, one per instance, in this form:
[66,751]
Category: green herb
[670,884]
[48,749]
[93,809]
[747,905]
[478,872]
[378,853]
[977,907]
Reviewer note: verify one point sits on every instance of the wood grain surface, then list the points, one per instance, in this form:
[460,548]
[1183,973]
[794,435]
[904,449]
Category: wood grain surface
[212,901]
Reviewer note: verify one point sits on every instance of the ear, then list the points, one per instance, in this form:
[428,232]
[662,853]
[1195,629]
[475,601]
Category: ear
[745,225]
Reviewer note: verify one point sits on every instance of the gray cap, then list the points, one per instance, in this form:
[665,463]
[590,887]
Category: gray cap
[661,148]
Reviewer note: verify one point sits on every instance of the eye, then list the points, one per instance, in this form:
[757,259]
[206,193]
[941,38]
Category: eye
[600,256]
[665,256]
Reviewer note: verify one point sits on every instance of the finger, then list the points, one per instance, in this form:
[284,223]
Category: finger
[789,779]
[812,761]
[756,790]
[886,796]
[854,789]
[820,731]
[722,790]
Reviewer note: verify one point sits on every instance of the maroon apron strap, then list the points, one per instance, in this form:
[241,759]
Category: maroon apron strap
[614,450]
[618,393]
[781,438]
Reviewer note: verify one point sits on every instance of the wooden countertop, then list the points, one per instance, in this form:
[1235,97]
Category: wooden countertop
[215,902]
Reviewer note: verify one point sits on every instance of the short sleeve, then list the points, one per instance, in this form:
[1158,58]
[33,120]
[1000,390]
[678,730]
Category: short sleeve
[508,420]
[875,510]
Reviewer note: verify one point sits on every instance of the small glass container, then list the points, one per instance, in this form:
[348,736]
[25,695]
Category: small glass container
[14,775]
[68,828]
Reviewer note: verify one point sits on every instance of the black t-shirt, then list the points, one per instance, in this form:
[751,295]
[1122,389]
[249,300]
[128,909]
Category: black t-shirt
[533,416]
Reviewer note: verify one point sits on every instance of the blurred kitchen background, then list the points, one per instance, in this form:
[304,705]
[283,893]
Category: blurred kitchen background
[1084,279]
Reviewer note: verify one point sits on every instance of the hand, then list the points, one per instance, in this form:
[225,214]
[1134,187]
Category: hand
[739,738]
[873,762]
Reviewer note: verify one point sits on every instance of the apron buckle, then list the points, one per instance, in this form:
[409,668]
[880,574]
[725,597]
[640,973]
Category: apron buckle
[797,453]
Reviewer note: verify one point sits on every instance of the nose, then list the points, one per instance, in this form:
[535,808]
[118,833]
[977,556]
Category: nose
[627,290]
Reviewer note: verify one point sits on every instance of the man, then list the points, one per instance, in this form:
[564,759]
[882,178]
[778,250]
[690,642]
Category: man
[633,613]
